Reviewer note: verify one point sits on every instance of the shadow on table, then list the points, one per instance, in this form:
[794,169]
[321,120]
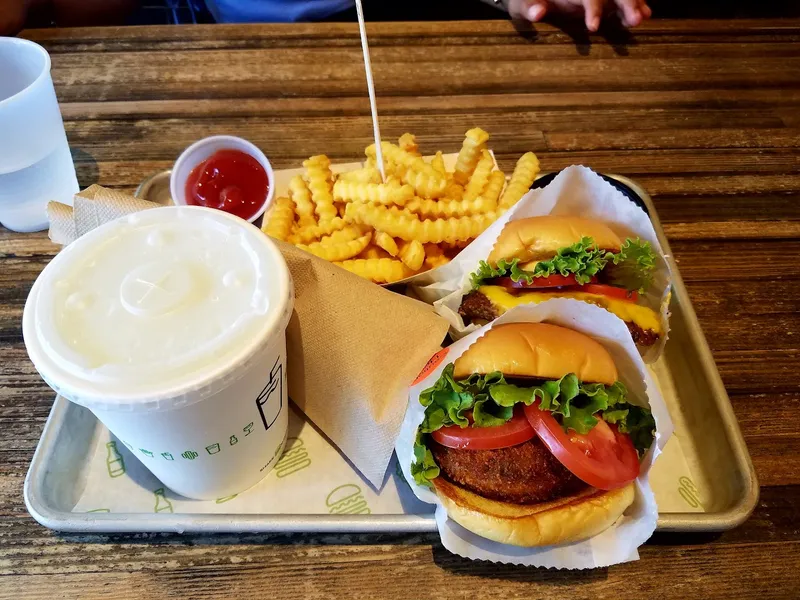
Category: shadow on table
[615,35]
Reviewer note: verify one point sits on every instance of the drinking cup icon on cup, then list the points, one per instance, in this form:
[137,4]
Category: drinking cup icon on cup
[270,400]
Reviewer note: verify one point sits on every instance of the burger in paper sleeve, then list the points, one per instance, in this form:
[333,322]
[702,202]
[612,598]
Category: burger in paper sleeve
[540,258]
[529,437]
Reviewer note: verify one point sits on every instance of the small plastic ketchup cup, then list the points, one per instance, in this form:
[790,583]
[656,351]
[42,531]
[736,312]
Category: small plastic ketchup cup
[226,173]
[229,180]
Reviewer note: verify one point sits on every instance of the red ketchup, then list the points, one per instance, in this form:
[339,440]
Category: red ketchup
[229,180]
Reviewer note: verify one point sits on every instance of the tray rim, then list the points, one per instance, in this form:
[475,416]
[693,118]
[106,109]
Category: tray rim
[65,521]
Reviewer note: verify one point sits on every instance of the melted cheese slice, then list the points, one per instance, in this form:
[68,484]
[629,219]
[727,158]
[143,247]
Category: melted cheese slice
[644,317]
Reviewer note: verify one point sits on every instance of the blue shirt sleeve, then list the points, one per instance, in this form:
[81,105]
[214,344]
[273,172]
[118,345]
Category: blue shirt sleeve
[274,11]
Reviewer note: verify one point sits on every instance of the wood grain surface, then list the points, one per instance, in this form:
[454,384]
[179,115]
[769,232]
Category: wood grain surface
[704,115]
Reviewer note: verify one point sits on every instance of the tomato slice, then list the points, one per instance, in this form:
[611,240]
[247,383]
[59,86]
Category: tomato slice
[539,282]
[604,458]
[610,291]
[516,431]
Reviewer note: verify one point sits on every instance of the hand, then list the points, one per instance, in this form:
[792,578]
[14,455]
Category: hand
[631,12]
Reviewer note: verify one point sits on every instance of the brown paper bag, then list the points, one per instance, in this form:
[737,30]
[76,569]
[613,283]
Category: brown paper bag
[353,347]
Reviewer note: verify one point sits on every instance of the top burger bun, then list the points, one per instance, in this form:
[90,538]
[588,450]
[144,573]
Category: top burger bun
[537,350]
[539,238]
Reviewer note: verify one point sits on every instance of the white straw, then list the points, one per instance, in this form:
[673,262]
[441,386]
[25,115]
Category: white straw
[371,89]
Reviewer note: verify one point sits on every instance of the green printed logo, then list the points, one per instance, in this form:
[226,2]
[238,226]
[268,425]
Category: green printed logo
[129,446]
[167,456]
[234,440]
[347,500]
[99,510]
[689,492]
[163,505]
[114,461]
[190,455]
[146,452]
[248,429]
[294,459]
[213,448]
[225,499]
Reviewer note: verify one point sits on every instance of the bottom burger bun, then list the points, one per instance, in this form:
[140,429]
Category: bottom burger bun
[570,519]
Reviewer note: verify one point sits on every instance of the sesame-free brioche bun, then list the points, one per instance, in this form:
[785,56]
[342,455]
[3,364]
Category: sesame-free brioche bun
[537,350]
[539,238]
[561,521]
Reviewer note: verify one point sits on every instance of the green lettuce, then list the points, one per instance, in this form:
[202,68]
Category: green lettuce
[633,265]
[576,406]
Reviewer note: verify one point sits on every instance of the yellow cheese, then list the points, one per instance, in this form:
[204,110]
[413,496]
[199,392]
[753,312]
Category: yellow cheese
[644,317]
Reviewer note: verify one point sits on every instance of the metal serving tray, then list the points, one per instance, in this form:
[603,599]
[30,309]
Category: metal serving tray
[714,489]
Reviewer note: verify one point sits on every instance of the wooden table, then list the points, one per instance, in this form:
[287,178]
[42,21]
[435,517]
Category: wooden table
[705,115]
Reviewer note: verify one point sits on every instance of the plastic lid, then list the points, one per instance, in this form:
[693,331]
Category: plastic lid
[156,310]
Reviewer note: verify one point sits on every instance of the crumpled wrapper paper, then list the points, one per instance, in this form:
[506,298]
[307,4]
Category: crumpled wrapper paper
[353,347]
[576,191]
[617,544]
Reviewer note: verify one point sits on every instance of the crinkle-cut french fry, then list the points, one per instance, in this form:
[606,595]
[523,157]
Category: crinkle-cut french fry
[335,252]
[491,193]
[373,251]
[365,175]
[412,254]
[279,222]
[521,180]
[340,206]
[437,162]
[301,196]
[408,142]
[380,193]
[438,209]
[379,270]
[474,141]
[432,262]
[480,176]
[319,177]
[306,235]
[406,225]
[453,191]
[349,233]
[424,184]
[433,179]
[385,241]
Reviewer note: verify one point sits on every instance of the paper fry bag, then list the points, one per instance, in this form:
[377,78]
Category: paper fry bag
[617,544]
[353,347]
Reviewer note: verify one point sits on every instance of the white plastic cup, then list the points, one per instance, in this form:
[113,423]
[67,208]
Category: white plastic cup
[202,150]
[35,162]
[169,325]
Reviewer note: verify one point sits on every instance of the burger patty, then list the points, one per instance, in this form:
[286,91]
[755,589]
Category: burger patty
[477,306]
[524,474]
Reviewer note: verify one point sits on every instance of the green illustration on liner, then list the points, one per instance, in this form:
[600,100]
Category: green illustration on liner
[248,429]
[689,492]
[347,500]
[114,461]
[163,505]
[295,458]
[234,440]
[225,499]
[99,510]
[190,455]
[213,448]
[167,456]
[146,452]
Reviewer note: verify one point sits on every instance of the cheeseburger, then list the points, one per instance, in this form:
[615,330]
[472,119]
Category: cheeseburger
[529,439]
[540,258]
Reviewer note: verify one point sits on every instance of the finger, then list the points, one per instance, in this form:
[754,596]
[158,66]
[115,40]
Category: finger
[646,11]
[530,10]
[593,9]
[631,16]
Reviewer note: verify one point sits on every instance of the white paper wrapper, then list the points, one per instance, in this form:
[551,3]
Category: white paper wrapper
[576,191]
[618,543]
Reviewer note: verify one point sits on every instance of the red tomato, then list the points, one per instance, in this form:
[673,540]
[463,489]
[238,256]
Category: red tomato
[604,458]
[539,282]
[516,431]
[610,291]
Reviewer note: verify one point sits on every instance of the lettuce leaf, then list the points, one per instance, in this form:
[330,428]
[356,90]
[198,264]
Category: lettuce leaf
[633,265]
[576,406]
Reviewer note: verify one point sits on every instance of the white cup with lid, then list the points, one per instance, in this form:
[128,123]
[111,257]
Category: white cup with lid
[169,325]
